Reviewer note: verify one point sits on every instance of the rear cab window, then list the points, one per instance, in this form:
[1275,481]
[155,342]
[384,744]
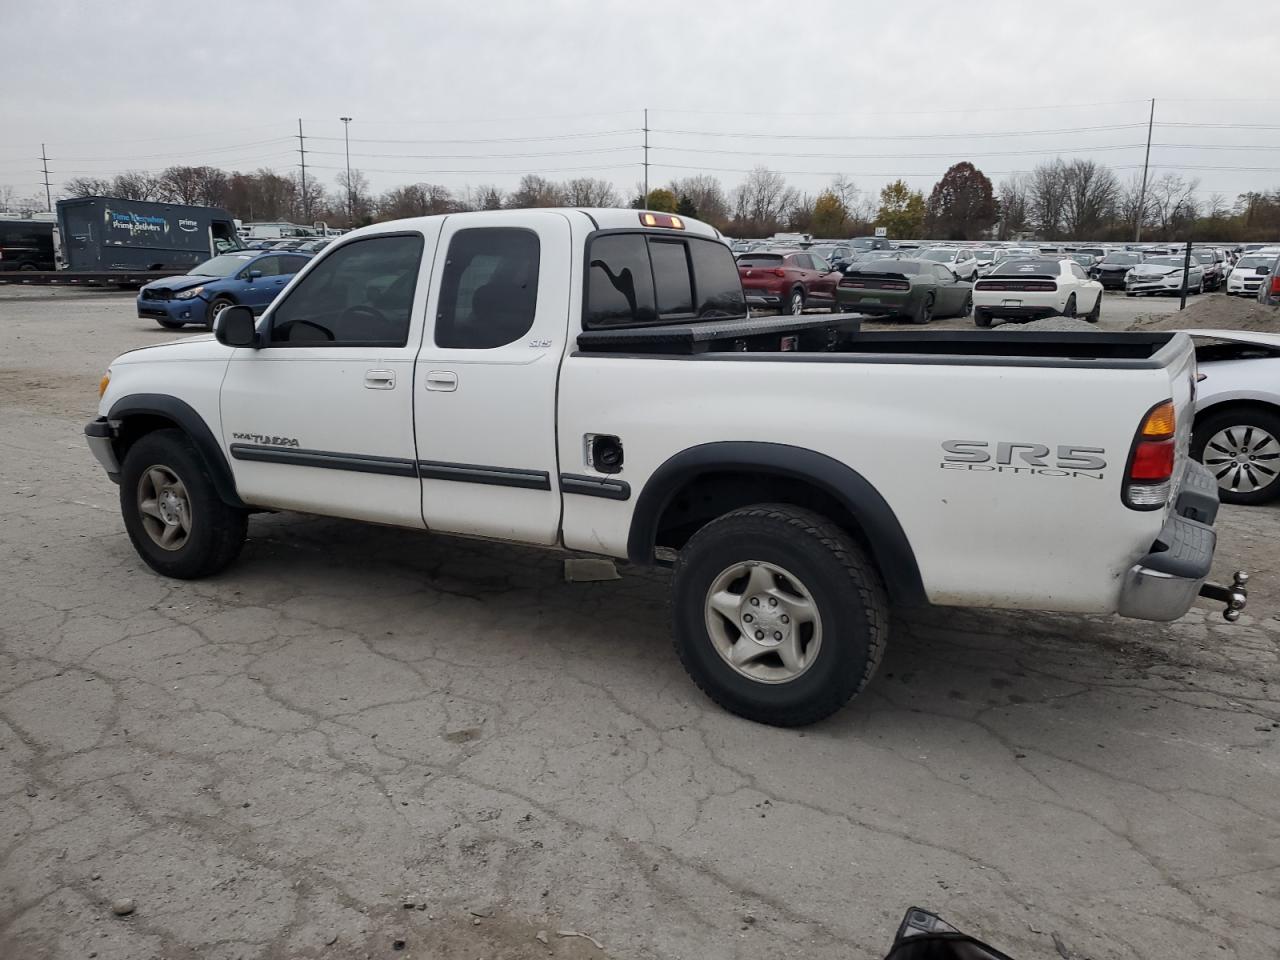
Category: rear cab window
[638,278]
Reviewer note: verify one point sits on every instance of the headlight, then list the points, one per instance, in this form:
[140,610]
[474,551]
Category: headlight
[190,294]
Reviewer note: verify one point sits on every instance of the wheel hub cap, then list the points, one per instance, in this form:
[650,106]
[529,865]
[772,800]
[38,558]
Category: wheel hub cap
[1244,459]
[763,622]
[163,507]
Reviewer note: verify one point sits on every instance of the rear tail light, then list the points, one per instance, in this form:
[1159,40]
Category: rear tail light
[1025,286]
[779,272]
[1149,475]
[1275,285]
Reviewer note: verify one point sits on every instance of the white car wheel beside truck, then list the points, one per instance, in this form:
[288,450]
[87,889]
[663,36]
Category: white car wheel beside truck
[780,617]
[1241,447]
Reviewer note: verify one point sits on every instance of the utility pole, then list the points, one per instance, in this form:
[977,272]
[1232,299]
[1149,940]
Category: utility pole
[302,155]
[351,199]
[48,196]
[1142,195]
[646,158]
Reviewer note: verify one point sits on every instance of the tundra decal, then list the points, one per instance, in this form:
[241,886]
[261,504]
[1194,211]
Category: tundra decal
[265,440]
[1030,459]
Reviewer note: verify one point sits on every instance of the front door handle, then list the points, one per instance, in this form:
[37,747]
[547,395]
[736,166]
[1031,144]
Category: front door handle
[380,379]
[443,380]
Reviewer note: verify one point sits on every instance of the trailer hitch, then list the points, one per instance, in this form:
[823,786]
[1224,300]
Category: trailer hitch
[1234,596]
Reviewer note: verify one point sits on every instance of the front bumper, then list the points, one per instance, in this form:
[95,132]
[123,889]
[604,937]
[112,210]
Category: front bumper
[1164,583]
[101,439]
[1244,287]
[1156,286]
[1110,281]
[193,310]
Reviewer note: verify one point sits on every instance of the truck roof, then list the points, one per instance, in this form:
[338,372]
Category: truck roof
[604,218]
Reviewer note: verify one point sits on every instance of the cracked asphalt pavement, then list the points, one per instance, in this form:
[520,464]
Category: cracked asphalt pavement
[361,742]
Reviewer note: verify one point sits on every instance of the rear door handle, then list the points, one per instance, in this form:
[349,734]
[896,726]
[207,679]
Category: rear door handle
[380,379]
[443,380]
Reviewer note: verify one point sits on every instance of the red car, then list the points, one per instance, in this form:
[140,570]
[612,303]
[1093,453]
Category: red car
[787,281]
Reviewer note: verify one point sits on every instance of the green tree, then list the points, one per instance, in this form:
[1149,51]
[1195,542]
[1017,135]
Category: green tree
[901,210]
[661,200]
[962,205]
[830,216]
[686,207]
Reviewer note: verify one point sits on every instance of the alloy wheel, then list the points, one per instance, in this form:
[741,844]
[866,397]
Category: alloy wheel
[1244,459]
[763,622]
[164,507]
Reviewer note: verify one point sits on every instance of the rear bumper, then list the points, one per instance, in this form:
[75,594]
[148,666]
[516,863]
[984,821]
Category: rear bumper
[100,437]
[1163,584]
[1018,313]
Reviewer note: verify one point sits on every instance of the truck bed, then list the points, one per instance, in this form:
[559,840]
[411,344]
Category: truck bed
[838,338]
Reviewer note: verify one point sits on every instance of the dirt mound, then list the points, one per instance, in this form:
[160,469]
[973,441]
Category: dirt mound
[1061,324]
[1215,313]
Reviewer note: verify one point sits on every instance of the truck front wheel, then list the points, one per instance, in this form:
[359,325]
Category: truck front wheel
[780,617]
[172,512]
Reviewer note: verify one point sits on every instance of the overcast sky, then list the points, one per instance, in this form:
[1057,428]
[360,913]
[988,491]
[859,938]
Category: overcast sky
[810,88]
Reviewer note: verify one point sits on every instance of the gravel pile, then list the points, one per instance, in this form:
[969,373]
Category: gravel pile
[1059,324]
[1215,313]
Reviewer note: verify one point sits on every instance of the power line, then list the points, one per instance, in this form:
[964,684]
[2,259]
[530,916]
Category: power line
[557,136]
[476,170]
[903,156]
[474,156]
[1039,107]
[905,136]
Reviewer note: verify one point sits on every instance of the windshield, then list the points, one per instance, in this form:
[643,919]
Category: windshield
[223,266]
[1040,266]
[1166,261]
[985,255]
[939,256]
[1204,256]
[760,260]
[1122,258]
[1252,263]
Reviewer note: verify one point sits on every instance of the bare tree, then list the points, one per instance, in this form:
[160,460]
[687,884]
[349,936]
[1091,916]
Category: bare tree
[1047,192]
[589,192]
[1132,208]
[1014,206]
[1173,202]
[707,196]
[535,191]
[1092,190]
[136,185]
[206,186]
[1215,207]
[763,201]
[416,200]
[354,199]
[87,187]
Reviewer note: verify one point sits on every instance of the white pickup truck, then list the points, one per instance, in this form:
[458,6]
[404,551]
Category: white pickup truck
[591,380]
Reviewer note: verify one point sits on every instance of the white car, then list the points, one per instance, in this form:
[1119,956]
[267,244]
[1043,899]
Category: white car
[1033,288]
[960,259]
[1236,432]
[591,381]
[1249,273]
[1163,275]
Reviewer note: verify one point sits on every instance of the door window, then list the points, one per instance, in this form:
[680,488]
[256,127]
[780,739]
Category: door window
[943,275]
[820,264]
[269,266]
[290,265]
[361,295]
[489,291]
[1078,272]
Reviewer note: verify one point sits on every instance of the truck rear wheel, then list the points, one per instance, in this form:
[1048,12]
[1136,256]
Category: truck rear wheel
[174,516]
[780,617]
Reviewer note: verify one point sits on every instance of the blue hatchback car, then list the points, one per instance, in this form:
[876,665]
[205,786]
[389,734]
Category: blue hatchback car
[252,278]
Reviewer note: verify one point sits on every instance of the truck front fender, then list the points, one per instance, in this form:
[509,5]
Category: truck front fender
[865,507]
[159,406]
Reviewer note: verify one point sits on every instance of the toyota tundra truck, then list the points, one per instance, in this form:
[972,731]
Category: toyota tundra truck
[592,381]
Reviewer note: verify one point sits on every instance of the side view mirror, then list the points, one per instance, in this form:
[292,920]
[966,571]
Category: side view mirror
[236,327]
[255,275]
[1262,271]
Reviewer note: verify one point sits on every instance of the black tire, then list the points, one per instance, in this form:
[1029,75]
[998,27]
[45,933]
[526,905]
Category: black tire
[924,312]
[217,531]
[846,591]
[981,317]
[170,324]
[216,306]
[967,307]
[1094,315]
[1128,293]
[1069,310]
[28,267]
[795,303]
[1244,418]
